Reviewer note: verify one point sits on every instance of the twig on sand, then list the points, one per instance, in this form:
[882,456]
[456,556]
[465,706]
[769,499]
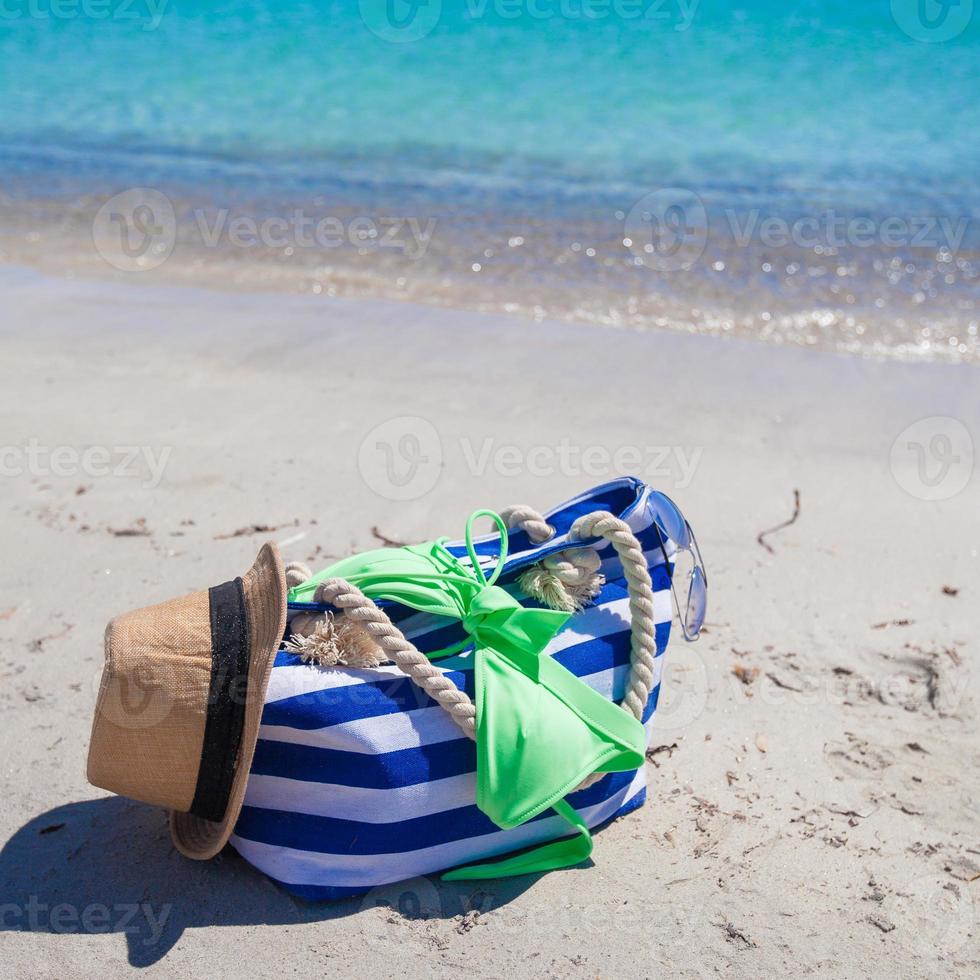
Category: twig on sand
[37,645]
[736,936]
[881,923]
[652,753]
[249,530]
[779,682]
[779,527]
[385,540]
[137,530]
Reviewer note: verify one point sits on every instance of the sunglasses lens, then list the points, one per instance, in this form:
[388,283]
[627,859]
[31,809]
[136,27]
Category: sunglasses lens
[697,603]
[670,519]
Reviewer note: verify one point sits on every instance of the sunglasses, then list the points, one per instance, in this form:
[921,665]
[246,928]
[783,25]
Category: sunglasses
[669,522]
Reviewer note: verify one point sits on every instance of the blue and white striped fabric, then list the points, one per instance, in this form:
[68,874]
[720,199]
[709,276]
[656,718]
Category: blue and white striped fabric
[359,779]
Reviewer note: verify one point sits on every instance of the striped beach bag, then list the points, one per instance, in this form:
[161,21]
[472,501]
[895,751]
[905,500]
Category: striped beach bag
[366,767]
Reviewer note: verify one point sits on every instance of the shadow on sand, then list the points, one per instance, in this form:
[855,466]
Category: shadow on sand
[108,866]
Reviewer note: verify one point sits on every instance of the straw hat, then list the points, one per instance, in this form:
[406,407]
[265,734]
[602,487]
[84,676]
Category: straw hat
[182,691]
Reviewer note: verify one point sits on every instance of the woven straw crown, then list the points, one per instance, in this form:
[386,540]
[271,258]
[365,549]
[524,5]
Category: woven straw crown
[181,699]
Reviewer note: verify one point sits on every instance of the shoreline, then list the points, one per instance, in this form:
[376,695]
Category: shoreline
[753,271]
[42,287]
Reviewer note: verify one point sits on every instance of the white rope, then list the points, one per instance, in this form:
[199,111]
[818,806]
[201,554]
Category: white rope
[358,608]
[297,573]
[527,518]
[643,643]
[568,580]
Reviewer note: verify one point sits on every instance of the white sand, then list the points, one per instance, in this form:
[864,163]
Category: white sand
[822,817]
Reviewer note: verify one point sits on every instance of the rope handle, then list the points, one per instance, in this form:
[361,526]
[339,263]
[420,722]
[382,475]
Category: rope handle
[529,520]
[360,609]
[602,524]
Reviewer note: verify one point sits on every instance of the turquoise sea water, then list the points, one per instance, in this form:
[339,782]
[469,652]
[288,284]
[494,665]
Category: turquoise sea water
[552,117]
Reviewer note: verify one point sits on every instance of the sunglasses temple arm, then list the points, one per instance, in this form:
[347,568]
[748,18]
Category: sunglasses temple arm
[670,576]
[696,552]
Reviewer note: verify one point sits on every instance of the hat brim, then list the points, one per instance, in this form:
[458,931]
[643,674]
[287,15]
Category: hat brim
[264,586]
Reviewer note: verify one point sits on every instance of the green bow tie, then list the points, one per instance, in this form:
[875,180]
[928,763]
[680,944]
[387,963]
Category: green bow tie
[540,730]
